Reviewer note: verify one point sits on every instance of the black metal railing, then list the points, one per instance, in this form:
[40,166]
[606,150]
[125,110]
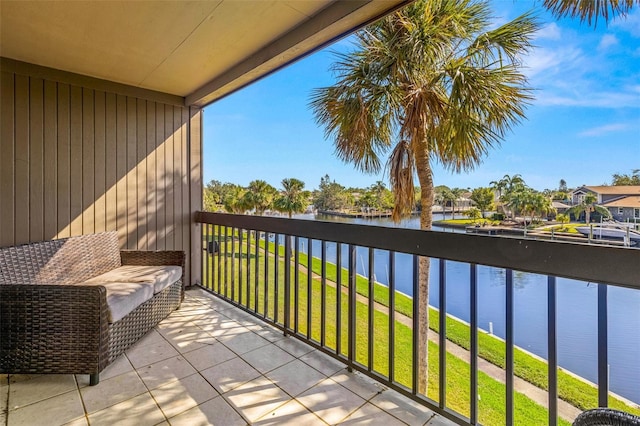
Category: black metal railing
[269,267]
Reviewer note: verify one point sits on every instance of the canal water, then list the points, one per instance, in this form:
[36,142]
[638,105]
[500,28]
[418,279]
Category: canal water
[576,312]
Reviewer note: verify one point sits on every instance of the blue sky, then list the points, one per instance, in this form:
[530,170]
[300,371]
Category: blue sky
[583,126]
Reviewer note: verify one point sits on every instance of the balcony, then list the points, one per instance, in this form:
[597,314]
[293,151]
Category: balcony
[211,363]
[262,264]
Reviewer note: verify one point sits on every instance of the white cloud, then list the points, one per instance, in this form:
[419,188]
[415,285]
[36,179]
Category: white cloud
[607,41]
[588,99]
[630,23]
[543,61]
[603,130]
[549,32]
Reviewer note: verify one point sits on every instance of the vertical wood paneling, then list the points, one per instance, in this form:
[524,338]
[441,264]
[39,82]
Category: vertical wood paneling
[160,179]
[110,161]
[88,163]
[21,159]
[186,217]
[36,159]
[100,162]
[151,175]
[75,130]
[168,173]
[64,161]
[177,177]
[141,174]
[7,165]
[195,184]
[132,161]
[76,160]
[50,160]
[121,169]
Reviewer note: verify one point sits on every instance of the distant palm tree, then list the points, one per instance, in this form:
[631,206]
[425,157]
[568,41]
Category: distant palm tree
[293,198]
[456,195]
[259,196]
[588,205]
[506,187]
[430,82]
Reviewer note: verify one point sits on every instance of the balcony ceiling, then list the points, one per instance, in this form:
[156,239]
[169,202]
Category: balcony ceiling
[199,50]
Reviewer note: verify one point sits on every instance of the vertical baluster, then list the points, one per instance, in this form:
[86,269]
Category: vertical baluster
[323,294]
[240,282]
[276,278]
[552,349]
[416,323]
[603,346]
[442,338]
[287,284]
[392,315]
[309,285]
[207,258]
[338,298]
[233,263]
[509,347]
[226,262]
[219,260]
[371,312]
[256,284]
[473,303]
[296,280]
[266,275]
[351,353]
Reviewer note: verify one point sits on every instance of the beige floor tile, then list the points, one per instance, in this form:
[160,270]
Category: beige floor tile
[4,392]
[229,374]
[243,343]
[4,380]
[323,363]
[292,413]
[267,358]
[139,411]
[165,371]
[57,410]
[359,384]
[112,391]
[183,394]
[38,388]
[256,398]
[145,355]
[82,421]
[209,355]
[222,328]
[294,346]
[295,377]
[438,420]
[189,339]
[151,338]
[403,408]
[369,414]
[267,332]
[330,401]
[213,412]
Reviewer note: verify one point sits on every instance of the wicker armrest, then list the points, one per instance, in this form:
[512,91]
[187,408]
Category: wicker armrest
[606,417]
[52,327]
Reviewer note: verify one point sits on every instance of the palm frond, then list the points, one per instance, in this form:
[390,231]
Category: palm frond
[401,169]
[590,10]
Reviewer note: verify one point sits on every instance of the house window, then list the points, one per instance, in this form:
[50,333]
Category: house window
[636,213]
[620,210]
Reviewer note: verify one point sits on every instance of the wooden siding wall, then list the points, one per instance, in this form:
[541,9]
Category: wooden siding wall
[77,160]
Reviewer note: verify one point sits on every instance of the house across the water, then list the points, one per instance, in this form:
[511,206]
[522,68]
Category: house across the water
[623,202]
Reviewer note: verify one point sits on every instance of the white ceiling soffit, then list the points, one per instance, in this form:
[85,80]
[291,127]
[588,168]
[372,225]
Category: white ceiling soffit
[199,50]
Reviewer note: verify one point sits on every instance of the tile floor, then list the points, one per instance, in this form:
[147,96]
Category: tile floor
[210,364]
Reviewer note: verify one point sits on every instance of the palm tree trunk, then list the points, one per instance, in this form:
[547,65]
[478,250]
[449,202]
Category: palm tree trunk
[425,178]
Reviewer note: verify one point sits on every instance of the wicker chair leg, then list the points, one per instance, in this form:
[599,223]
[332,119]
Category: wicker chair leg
[94,379]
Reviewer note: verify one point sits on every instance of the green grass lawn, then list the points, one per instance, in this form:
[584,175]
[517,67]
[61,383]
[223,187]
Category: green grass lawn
[527,367]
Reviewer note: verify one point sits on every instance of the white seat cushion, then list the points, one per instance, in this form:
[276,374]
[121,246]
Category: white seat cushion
[124,297]
[160,276]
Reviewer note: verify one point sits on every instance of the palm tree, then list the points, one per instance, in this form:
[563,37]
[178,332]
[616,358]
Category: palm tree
[430,82]
[259,196]
[588,205]
[588,10]
[456,195]
[292,198]
[505,188]
[235,201]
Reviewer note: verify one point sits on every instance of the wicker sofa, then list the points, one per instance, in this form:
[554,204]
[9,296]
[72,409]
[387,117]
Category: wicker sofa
[73,305]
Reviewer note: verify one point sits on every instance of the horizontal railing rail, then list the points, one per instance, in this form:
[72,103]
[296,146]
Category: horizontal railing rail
[258,264]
